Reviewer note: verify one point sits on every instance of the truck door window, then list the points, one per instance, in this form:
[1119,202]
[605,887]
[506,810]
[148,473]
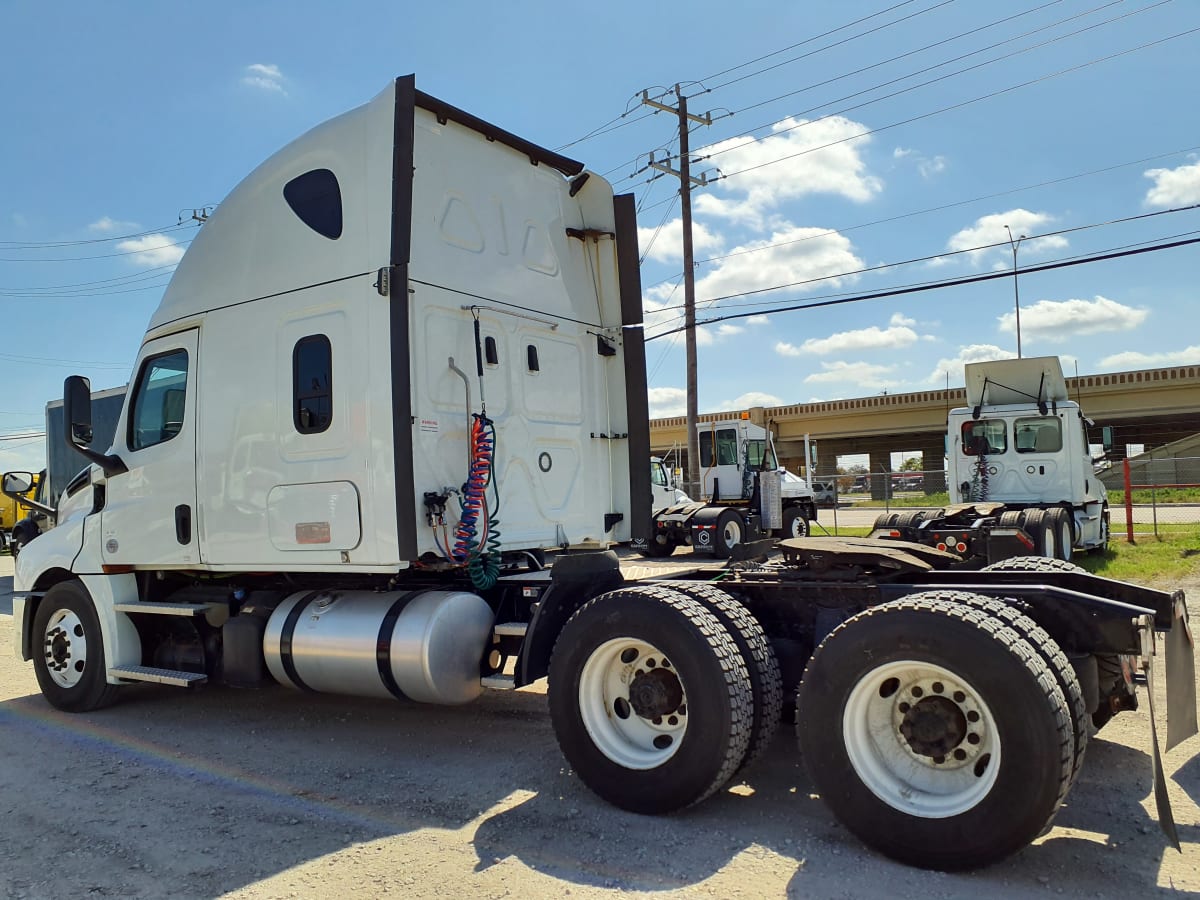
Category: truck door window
[1040,434]
[760,455]
[658,474]
[984,436]
[158,401]
[312,371]
[727,447]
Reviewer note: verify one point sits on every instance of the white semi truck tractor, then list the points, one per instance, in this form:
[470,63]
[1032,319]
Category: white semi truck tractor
[1018,466]
[401,359]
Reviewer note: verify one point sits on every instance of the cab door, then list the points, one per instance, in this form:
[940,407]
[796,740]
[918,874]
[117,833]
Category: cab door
[149,513]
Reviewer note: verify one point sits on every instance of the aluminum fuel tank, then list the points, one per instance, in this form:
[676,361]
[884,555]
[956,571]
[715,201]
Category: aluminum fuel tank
[420,645]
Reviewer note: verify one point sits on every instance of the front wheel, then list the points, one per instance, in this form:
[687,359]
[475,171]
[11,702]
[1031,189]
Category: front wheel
[935,733]
[795,525]
[68,656]
[650,699]
[730,532]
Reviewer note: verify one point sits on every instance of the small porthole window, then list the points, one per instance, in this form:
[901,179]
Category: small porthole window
[490,354]
[532,359]
[316,198]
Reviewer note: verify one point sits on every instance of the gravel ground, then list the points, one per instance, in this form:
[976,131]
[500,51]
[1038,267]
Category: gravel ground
[275,794]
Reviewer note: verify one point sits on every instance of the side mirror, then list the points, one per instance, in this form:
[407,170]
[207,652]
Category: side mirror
[77,416]
[1106,437]
[18,482]
[77,410]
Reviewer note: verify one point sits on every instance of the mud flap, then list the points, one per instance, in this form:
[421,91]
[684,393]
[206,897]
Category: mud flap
[1181,677]
[1166,819]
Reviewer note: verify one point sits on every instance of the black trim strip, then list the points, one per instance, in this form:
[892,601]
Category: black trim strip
[637,403]
[401,374]
[285,640]
[536,154]
[383,645]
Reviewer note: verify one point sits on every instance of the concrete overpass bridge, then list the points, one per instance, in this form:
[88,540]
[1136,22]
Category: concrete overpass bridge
[1145,406]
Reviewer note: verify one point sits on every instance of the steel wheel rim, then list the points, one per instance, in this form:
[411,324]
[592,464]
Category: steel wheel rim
[64,648]
[731,533]
[1050,541]
[886,762]
[620,677]
[1064,539]
[799,528]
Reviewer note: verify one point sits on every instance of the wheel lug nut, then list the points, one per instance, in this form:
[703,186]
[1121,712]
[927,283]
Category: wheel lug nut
[960,754]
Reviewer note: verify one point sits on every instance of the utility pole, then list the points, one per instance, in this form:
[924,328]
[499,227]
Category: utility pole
[686,181]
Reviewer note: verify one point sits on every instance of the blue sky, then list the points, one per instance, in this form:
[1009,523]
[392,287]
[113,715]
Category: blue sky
[863,135]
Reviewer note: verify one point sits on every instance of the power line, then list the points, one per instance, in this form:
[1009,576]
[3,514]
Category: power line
[940,208]
[834,44]
[117,279]
[931,286]
[45,245]
[58,259]
[949,253]
[955,106]
[945,62]
[620,121]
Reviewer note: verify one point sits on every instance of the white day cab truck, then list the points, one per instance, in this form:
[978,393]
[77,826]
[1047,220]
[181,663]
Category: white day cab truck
[401,359]
[1019,467]
[745,495]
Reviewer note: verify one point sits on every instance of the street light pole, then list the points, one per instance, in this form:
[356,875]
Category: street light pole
[1016,289]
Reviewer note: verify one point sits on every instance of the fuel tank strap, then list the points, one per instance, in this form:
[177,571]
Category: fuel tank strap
[285,640]
[383,645]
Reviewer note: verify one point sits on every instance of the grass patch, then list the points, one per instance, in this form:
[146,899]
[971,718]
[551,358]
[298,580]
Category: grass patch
[1173,555]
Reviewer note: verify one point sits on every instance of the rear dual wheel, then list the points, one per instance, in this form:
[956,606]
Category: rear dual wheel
[650,699]
[935,732]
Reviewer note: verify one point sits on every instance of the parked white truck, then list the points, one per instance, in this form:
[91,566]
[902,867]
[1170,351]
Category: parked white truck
[745,495]
[1017,460]
[408,325]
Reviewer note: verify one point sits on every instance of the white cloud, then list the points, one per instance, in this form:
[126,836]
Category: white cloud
[753,398]
[264,77]
[667,247]
[1061,320]
[990,230]
[1174,187]
[930,167]
[105,225]
[152,250]
[858,374]
[927,166]
[969,354]
[894,337]
[1131,359]
[758,320]
[791,167]
[791,254]
[667,402]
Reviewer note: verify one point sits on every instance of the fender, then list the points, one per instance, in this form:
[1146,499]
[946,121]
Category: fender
[69,550]
[574,580]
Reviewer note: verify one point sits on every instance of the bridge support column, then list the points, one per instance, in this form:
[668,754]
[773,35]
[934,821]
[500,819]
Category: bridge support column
[933,465]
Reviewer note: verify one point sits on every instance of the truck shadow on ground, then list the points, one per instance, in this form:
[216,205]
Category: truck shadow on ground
[225,788]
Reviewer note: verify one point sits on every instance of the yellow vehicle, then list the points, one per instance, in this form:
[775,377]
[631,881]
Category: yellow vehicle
[12,512]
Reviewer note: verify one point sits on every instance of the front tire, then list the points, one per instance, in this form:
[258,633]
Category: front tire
[68,656]
[795,525]
[650,699]
[935,733]
[730,532]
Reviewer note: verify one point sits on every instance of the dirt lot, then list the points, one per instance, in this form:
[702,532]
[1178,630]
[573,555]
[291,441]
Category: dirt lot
[274,794]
